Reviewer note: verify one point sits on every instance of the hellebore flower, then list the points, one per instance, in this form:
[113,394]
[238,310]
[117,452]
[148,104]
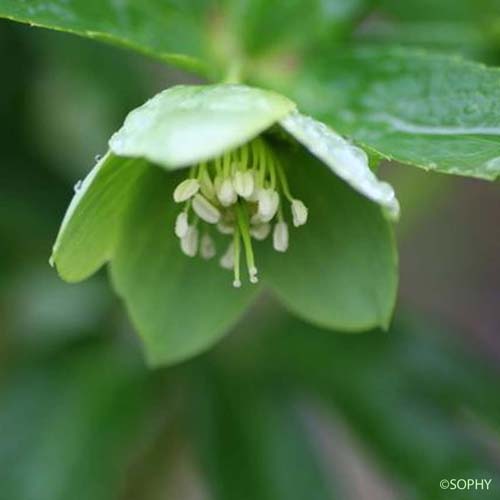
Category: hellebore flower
[201,179]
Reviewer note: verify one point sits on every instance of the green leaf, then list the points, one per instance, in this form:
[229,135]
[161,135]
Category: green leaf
[457,25]
[340,270]
[195,34]
[347,161]
[184,125]
[259,26]
[169,30]
[179,305]
[88,233]
[437,112]
[252,441]
[71,423]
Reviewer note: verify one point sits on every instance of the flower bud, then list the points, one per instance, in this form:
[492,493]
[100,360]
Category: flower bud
[181,225]
[280,237]
[243,183]
[299,213]
[186,190]
[205,210]
[189,244]
[268,204]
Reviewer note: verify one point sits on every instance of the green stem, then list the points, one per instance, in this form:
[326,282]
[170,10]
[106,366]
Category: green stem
[234,73]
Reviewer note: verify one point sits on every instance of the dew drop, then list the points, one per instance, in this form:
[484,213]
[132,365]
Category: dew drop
[493,165]
[77,186]
[97,158]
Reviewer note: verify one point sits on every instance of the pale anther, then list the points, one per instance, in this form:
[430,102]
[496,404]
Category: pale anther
[186,190]
[280,237]
[227,260]
[181,225]
[268,204]
[205,210]
[225,227]
[243,183]
[207,247]
[299,213]
[260,231]
[225,191]
[189,244]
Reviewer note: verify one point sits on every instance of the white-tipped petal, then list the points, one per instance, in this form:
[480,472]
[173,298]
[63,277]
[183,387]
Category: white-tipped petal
[260,231]
[186,190]
[299,213]
[226,193]
[207,247]
[181,225]
[227,260]
[268,204]
[280,237]
[243,183]
[205,210]
[189,244]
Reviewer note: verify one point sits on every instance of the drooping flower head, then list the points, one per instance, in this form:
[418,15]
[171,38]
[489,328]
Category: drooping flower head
[238,172]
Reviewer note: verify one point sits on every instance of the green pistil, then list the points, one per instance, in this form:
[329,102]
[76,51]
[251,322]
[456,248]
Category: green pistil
[236,244]
[247,241]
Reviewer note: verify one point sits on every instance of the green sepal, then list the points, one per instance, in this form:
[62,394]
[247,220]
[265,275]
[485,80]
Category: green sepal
[179,305]
[346,160]
[340,270]
[186,124]
[88,233]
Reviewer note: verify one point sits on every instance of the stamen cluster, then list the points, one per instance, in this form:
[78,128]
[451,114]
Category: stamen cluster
[239,194]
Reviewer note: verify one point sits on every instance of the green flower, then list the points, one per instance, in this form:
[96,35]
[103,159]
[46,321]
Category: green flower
[200,172]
